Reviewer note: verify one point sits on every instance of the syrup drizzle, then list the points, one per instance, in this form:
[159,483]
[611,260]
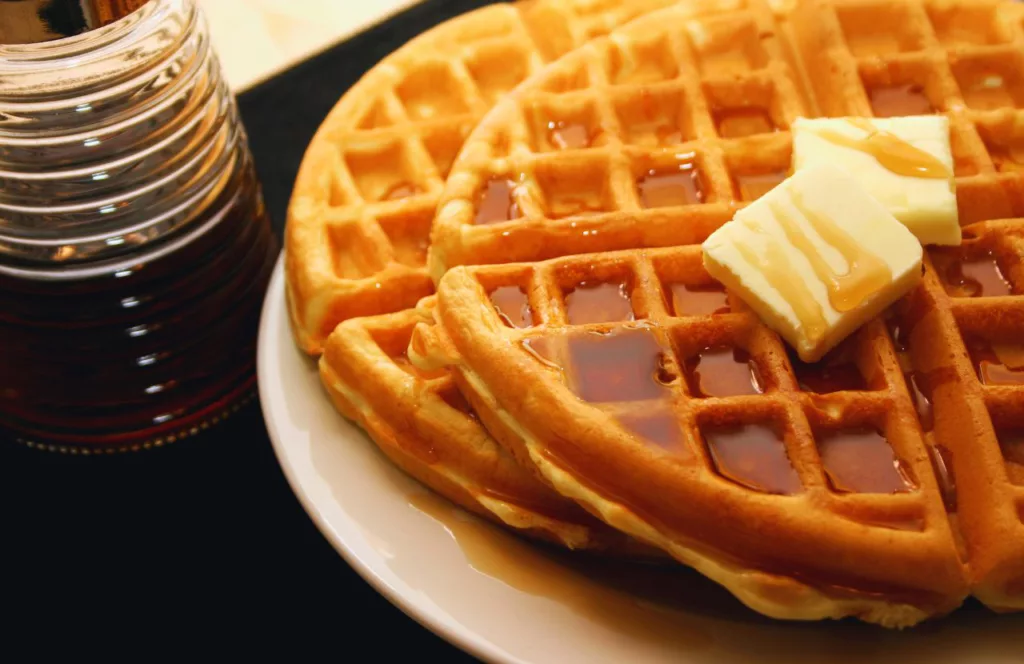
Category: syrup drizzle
[861,460]
[775,267]
[891,151]
[866,274]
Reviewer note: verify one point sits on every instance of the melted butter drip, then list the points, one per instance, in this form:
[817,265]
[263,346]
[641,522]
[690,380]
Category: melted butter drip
[777,273]
[889,150]
[865,275]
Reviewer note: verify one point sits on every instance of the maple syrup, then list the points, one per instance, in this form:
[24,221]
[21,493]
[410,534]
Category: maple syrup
[129,297]
[635,601]
[454,398]
[921,394]
[975,277]
[497,203]
[660,430]
[669,187]
[835,372]
[860,460]
[744,121]
[723,372]
[690,300]
[512,306]
[866,273]
[132,354]
[598,303]
[889,150]
[754,456]
[1011,442]
[996,363]
[753,186]
[942,463]
[627,364]
[569,135]
[899,100]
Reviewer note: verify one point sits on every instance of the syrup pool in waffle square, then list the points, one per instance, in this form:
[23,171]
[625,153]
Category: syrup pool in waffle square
[748,445]
[562,123]
[986,265]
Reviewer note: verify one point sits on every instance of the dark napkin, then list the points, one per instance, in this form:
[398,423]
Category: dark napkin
[206,532]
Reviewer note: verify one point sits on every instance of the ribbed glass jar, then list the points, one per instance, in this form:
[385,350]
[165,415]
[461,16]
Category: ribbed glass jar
[134,244]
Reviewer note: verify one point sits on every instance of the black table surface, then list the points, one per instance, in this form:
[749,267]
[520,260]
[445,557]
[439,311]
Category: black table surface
[208,530]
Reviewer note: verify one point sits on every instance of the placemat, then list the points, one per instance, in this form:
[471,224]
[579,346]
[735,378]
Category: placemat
[206,532]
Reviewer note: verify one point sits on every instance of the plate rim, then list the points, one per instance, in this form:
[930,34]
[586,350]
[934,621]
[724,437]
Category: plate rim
[435,619]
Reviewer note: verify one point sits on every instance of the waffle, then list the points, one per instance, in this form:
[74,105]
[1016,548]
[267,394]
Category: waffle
[802,528]
[576,160]
[365,195]
[421,422]
[645,421]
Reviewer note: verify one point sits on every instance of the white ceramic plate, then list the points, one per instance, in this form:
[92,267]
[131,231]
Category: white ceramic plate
[508,601]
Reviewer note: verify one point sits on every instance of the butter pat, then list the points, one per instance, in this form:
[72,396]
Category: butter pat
[906,163]
[816,258]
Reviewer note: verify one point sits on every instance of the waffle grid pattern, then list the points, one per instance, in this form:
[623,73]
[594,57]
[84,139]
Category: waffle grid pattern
[365,197]
[642,112]
[752,61]
[803,416]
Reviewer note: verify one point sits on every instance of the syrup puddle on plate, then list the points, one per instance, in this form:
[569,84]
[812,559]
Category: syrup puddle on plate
[574,580]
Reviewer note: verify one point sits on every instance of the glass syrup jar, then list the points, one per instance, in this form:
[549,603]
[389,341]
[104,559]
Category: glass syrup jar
[134,244]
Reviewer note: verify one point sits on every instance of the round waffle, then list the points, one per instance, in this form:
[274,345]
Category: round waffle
[365,195]
[884,482]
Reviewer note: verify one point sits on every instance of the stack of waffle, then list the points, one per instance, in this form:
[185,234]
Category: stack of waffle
[552,168]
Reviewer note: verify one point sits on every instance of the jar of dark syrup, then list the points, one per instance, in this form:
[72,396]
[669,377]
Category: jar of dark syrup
[134,244]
